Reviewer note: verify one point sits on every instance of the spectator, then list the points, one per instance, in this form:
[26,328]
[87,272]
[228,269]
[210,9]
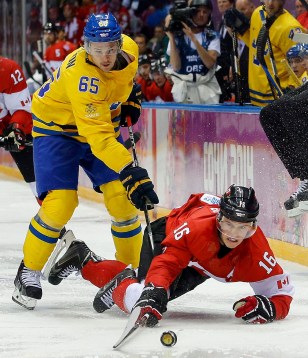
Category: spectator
[143,75]
[160,88]
[281,25]
[193,51]
[246,7]
[224,61]
[54,14]
[159,43]
[299,8]
[141,41]
[156,14]
[34,29]
[72,25]
[303,20]
[85,10]
[295,58]
[120,12]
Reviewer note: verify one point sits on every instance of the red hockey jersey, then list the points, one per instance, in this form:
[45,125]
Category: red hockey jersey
[55,54]
[192,240]
[15,99]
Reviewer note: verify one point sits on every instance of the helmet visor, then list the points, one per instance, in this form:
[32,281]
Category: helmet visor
[234,229]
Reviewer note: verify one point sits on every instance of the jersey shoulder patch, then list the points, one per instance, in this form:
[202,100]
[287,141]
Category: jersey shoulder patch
[210,199]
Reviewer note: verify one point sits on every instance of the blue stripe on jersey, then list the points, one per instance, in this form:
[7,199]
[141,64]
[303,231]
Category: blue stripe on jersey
[51,132]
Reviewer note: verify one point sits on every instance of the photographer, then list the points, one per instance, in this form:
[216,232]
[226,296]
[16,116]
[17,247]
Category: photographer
[193,49]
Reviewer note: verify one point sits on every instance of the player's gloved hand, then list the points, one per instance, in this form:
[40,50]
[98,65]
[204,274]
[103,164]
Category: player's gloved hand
[153,303]
[255,309]
[139,187]
[236,21]
[132,107]
[14,138]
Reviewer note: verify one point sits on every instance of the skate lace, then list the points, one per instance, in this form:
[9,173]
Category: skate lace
[107,298]
[67,271]
[303,185]
[30,278]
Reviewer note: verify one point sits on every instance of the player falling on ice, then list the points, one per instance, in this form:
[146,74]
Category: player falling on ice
[207,237]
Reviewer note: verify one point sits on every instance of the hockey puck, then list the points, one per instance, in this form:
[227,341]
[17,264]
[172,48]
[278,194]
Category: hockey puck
[168,339]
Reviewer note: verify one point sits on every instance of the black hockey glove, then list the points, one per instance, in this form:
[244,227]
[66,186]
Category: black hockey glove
[153,303]
[132,107]
[236,21]
[139,187]
[255,309]
[14,138]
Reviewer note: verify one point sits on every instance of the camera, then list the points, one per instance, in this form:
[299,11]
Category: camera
[180,12]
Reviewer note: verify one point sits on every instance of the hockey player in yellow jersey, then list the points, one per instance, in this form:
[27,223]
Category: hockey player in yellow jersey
[76,119]
[282,26]
[296,61]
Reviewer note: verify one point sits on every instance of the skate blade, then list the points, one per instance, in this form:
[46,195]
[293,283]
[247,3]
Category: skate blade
[62,244]
[303,205]
[27,302]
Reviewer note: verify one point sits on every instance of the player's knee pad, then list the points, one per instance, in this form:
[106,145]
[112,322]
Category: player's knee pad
[58,207]
[116,201]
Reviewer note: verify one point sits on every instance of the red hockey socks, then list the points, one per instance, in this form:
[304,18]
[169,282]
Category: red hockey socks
[101,272]
[118,294]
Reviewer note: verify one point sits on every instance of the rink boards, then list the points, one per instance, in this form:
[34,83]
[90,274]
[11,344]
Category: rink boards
[189,148]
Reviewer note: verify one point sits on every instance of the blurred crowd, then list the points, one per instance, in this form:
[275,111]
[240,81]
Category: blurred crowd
[184,54]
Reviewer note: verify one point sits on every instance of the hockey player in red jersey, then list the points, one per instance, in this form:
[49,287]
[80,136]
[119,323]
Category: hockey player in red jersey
[58,48]
[15,118]
[207,237]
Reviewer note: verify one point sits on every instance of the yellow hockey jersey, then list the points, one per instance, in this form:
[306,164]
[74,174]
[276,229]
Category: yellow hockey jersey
[280,35]
[80,101]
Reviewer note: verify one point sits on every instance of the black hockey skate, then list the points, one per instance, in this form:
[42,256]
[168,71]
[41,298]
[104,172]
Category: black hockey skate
[103,300]
[28,287]
[298,201]
[302,196]
[76,256]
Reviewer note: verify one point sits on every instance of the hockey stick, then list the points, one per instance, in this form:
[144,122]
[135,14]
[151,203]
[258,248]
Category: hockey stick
[262,41]
[147,205]
[42,63]
[291,73]
[128,143]
[29,73]
[237,72]
[133,323]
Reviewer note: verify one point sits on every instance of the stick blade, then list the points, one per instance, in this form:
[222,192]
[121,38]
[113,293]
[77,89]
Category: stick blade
[131,326]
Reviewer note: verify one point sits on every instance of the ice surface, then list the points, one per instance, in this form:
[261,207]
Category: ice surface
[64,324]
